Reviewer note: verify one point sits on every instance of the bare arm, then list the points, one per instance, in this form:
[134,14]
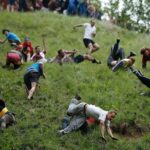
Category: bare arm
[110,132]
[79,25]
[102,128]
[3,41]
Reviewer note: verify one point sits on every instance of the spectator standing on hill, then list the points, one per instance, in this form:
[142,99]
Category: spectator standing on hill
[90,32]
[11,5]
[11,37]
[72,7]
[145,52]
[116,54]
[32,76]
[7,118]
[83,8]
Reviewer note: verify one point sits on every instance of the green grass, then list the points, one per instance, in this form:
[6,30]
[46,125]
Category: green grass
[39,120]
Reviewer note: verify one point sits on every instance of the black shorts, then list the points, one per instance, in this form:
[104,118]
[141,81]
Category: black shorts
[29,78]
[78,59]
[87,42]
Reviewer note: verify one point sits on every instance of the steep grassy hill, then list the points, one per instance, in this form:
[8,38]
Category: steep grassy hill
[39,120]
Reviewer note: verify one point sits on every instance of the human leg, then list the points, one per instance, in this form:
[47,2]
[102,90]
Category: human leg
[32,90]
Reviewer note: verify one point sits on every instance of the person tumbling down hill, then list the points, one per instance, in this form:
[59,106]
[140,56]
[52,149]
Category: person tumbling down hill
[10,36]
[6,117]
[66,56]
[32,76]
[79,111]
[125,63]
[116,54]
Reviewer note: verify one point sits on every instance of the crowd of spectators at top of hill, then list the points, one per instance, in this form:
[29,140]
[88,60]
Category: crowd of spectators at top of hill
[71,7]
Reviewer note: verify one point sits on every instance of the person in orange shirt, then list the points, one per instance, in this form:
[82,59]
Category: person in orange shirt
[27,49]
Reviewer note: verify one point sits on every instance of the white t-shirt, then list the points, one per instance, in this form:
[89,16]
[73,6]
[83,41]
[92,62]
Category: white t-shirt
[97,113]
[41,54]
[89,30]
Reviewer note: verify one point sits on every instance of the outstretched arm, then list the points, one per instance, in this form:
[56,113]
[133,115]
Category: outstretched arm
[79,25]
[110,133]
[3,41]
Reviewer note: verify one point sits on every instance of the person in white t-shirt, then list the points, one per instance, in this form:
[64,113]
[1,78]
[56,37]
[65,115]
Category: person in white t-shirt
[84,110]
[38,54]
[89,34]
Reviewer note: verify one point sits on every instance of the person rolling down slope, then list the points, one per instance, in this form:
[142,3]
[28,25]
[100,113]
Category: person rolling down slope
[88,110]
[125,63]
[116,54]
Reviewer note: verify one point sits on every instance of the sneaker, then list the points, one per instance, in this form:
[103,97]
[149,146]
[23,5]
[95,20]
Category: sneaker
[132,54]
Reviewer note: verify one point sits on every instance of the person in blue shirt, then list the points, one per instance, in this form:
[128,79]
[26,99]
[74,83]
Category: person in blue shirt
[11,37]
[32,76]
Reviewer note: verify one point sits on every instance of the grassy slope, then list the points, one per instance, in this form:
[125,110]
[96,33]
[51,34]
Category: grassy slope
[38,121]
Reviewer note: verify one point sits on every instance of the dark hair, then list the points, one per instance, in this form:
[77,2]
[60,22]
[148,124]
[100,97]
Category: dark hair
[3,31]
[143,50]
[59,51]
[77,96]
[37,47]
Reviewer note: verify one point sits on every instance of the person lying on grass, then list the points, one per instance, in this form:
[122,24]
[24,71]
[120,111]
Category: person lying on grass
[32,76]
[65,56]
[6,117]
[80,111]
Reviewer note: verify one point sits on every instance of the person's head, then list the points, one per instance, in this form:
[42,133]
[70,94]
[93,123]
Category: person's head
[144,51]
[131,61]
[37,49]
[5,31]
[60,53]
[92,22]
[111,115]
[77,96]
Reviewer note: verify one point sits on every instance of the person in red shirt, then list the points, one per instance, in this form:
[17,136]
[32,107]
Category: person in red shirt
[27,49]
[146,56]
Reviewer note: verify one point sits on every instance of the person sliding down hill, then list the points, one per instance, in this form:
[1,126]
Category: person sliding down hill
[11,37]
[65,56]
[116,54]
[6,118]
[84,110]
[32,76]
